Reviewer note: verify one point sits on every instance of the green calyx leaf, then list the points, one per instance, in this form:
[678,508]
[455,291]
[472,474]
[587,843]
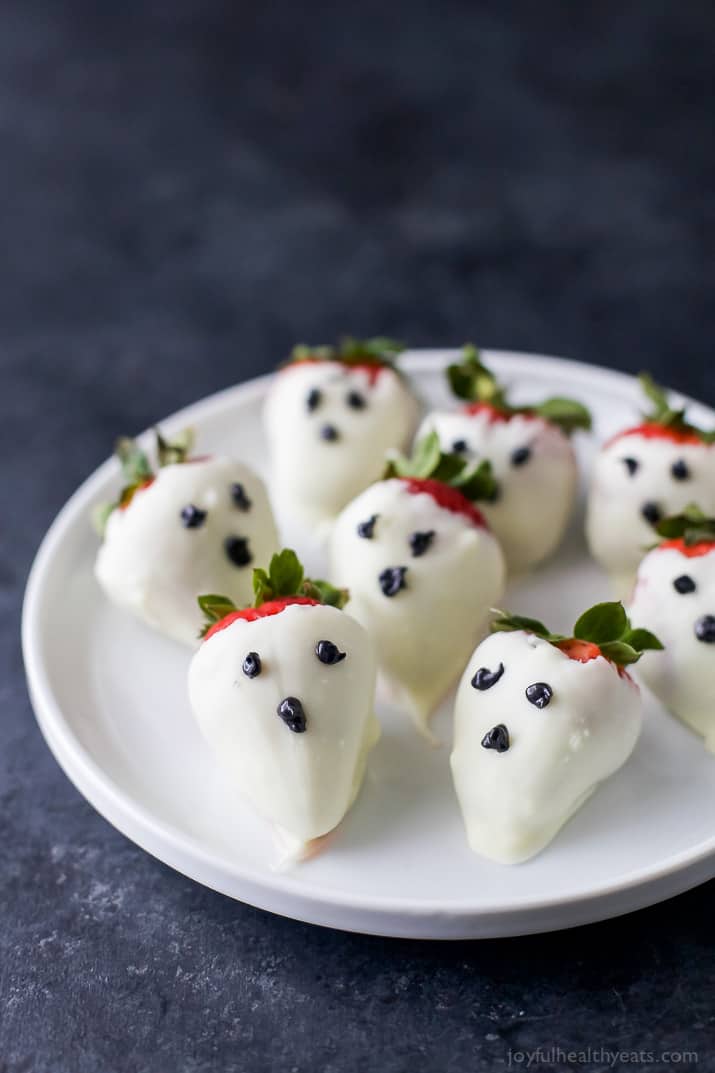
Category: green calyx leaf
[506,622]
[568,414]
[471,380]
[429,462]
[174,451]
[285,577]
[663,414]
[376,351]
[606,625]
[135,464]
[214,607]
[692,526]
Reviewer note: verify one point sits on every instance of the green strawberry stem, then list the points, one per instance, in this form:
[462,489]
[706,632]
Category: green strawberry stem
[283,579]
[605,625]
[691,526]
[137,470]
[663,414]
[376,351]
[472,381]
[429,462]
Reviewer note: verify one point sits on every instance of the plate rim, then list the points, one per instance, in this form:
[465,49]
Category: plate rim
[382,915]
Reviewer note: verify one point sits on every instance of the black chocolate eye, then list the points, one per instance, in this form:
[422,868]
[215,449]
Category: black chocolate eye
[314,399]
[631,465]
[239,497]
[496,738]
[237,550]
[356,401]
[252,665]
[520,456]
[705,629]
[328,653]
[192,517]
[485,679]
[680,470]
[651,512]
[392,579]
[684,584]
[460,447]
[539,694]
[420,542]
[366,530]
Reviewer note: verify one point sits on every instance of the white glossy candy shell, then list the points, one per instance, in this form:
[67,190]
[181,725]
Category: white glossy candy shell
[399,865]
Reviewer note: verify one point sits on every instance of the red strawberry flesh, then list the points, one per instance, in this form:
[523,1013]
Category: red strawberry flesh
[447,497]
[252,614]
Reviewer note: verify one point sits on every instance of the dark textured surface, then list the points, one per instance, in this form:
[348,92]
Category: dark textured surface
[184,193]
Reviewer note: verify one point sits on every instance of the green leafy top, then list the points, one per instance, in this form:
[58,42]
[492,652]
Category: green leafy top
[137,470]
[376,351]
[605,625]
[471,380]
[283,579]
[663,414]
[429,461]
[692,526]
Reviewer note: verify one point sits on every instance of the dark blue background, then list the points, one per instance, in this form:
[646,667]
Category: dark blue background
[185,190]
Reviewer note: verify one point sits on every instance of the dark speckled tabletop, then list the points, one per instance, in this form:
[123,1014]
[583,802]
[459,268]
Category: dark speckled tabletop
[186,189]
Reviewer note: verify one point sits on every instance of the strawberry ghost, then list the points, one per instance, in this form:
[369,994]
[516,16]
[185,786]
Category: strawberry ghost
[330,416]
[283,692]
[675,592]
[641,475]
[423,569]
[540,721]
[531,456]
[197,524]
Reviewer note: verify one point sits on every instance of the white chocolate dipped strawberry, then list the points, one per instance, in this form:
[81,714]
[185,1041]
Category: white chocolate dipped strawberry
[423,569]
[675,592]
[642,474]
[194,525]
[540,721]
[330,416]
[531,456]
[283,692]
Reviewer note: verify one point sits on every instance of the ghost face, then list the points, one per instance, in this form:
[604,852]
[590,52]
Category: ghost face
[535,732]
[675,597]
[286,703]
[636,482]
[328,428]
[535,468]
[198,527]
[421,580]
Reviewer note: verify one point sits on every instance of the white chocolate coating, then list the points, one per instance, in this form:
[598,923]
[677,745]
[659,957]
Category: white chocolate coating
[536,498]
[425,632]
[155,567]
[618,535]
[314,478]
[303,783]
[683,675]
[514,802]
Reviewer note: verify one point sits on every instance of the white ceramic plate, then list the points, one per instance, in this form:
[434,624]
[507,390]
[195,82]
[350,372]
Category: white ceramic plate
[110,699]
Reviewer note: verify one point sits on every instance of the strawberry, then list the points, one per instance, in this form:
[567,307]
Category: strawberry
[530,454]
[423,570]
[675,591]
[330,416]
[641,475]
[283,693]
[540,720]
[194,524]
